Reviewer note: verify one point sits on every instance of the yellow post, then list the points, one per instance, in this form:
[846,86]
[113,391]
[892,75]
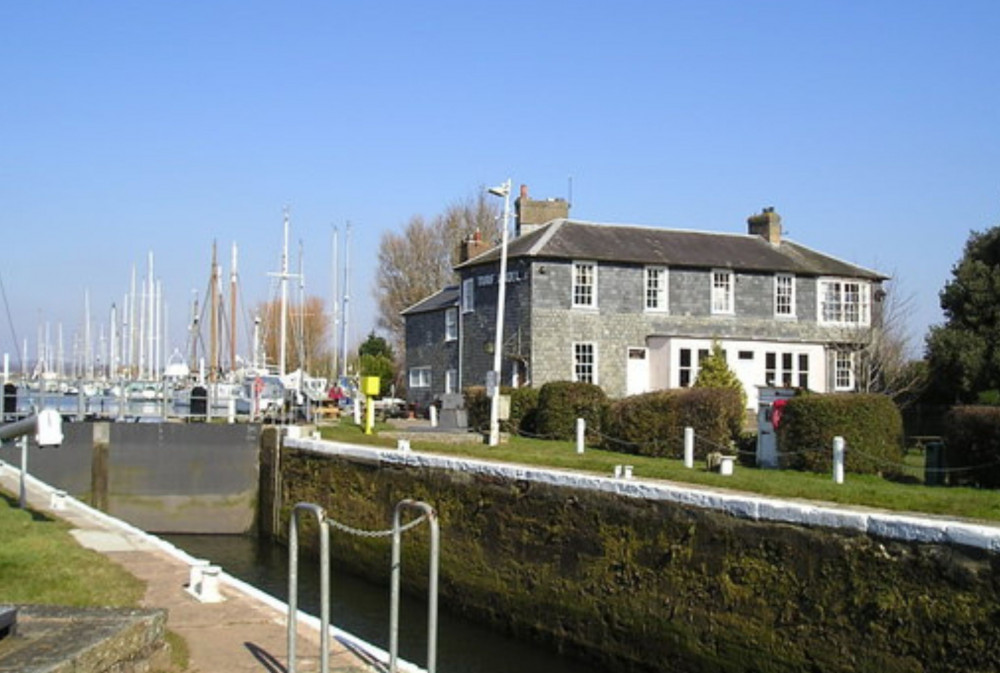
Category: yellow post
[370,387]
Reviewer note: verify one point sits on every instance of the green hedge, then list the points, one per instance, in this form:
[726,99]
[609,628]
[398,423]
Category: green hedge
[523,409]
[560,403]
[652,424]
[972,446]
[870,424]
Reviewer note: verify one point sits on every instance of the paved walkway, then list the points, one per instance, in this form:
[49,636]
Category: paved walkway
[244,633]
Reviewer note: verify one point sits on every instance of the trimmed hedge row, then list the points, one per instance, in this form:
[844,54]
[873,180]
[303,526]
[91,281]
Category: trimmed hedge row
[972,446]
[871,426]
[652,424]
[560,403]
[523,409]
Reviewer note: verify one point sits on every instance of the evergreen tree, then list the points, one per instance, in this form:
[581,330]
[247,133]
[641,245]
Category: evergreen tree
[714,372]
[964,354]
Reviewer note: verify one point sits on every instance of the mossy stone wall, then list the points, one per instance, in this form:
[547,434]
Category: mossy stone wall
[641,585]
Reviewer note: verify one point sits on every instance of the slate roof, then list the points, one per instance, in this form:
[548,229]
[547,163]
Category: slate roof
[445,298]
[573,239]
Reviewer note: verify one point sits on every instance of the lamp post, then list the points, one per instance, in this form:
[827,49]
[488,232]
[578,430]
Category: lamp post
[503,191]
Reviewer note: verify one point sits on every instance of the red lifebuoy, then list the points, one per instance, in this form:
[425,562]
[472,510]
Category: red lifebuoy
[776,409]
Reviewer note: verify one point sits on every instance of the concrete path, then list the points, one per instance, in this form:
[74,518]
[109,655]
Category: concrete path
[243,633]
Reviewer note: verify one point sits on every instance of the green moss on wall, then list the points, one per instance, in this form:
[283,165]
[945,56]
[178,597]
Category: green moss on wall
[645,585]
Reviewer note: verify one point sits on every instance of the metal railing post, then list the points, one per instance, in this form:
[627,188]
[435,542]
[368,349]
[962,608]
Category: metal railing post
[432,585]
[324,582]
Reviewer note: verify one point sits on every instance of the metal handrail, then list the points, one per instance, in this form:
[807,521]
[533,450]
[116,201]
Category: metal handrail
[432,584]
[324,583]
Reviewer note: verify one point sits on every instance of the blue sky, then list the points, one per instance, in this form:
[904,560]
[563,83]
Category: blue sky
[129,127]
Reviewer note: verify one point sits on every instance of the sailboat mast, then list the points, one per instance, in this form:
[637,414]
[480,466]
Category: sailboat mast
[347,297]
[151,307]
[213,353]
[232,311]
[335,303]
[284,298]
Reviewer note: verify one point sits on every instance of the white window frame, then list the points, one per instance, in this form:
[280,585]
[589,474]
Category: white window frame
[584,283]
[420,377]
[833,306]
[843,371]
[577,364]
[450,324]
[659,293]
[722,297]
[779,280]
[468,295]
[450,381]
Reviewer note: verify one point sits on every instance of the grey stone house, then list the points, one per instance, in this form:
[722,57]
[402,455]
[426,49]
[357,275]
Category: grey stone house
[634,309]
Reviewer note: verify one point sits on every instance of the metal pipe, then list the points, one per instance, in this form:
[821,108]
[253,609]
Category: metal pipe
[293,584]
[432,585]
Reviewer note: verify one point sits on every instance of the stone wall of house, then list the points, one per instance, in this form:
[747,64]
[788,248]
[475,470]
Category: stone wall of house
[541,325]
[426,347]
[633,581]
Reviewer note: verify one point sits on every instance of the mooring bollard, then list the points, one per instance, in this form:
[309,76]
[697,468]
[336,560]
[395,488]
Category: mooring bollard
[434,415]
[58,500]
[581,431]
[618,471]
[403,444]
[628,471]
[208,590]
[689,448]
[838,460]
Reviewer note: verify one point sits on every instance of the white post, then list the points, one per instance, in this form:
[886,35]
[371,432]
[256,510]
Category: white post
[22,499]
[581,430]
[504,191]
[357,410]
[689,448]
[434,415]
[838,460]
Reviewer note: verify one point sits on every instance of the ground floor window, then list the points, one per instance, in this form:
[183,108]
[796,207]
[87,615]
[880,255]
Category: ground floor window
[843,370]
[420,377]
[786,370]
[585,362]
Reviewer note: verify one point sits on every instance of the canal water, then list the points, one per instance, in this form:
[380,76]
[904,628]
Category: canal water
[362,608]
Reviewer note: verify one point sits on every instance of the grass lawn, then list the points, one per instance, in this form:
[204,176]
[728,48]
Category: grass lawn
[41,563]
[860,490]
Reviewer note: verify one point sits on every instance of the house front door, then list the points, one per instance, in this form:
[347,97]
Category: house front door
[637,372]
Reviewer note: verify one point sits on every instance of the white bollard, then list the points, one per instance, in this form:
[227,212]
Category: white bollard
[357,411]
[628,471]
[618,471]
[726,466]
[581,431]
[194,575]
[689,448]
[208,590]
[838,460]
[434,415]
[231,411]
[58,500]
[403,444]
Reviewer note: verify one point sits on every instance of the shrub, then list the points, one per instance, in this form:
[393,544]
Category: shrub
[972,442]
[652,424]
[714,372]
[870,424]
[523,408]
[560,403]
[477,407]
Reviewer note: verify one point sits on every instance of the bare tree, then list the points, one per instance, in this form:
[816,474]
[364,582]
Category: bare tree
[308,324]
[418,261]
[886,361]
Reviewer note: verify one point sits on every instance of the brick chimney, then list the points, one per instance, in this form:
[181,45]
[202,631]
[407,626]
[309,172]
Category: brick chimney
[530,215]
[472,247]
[766,224]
